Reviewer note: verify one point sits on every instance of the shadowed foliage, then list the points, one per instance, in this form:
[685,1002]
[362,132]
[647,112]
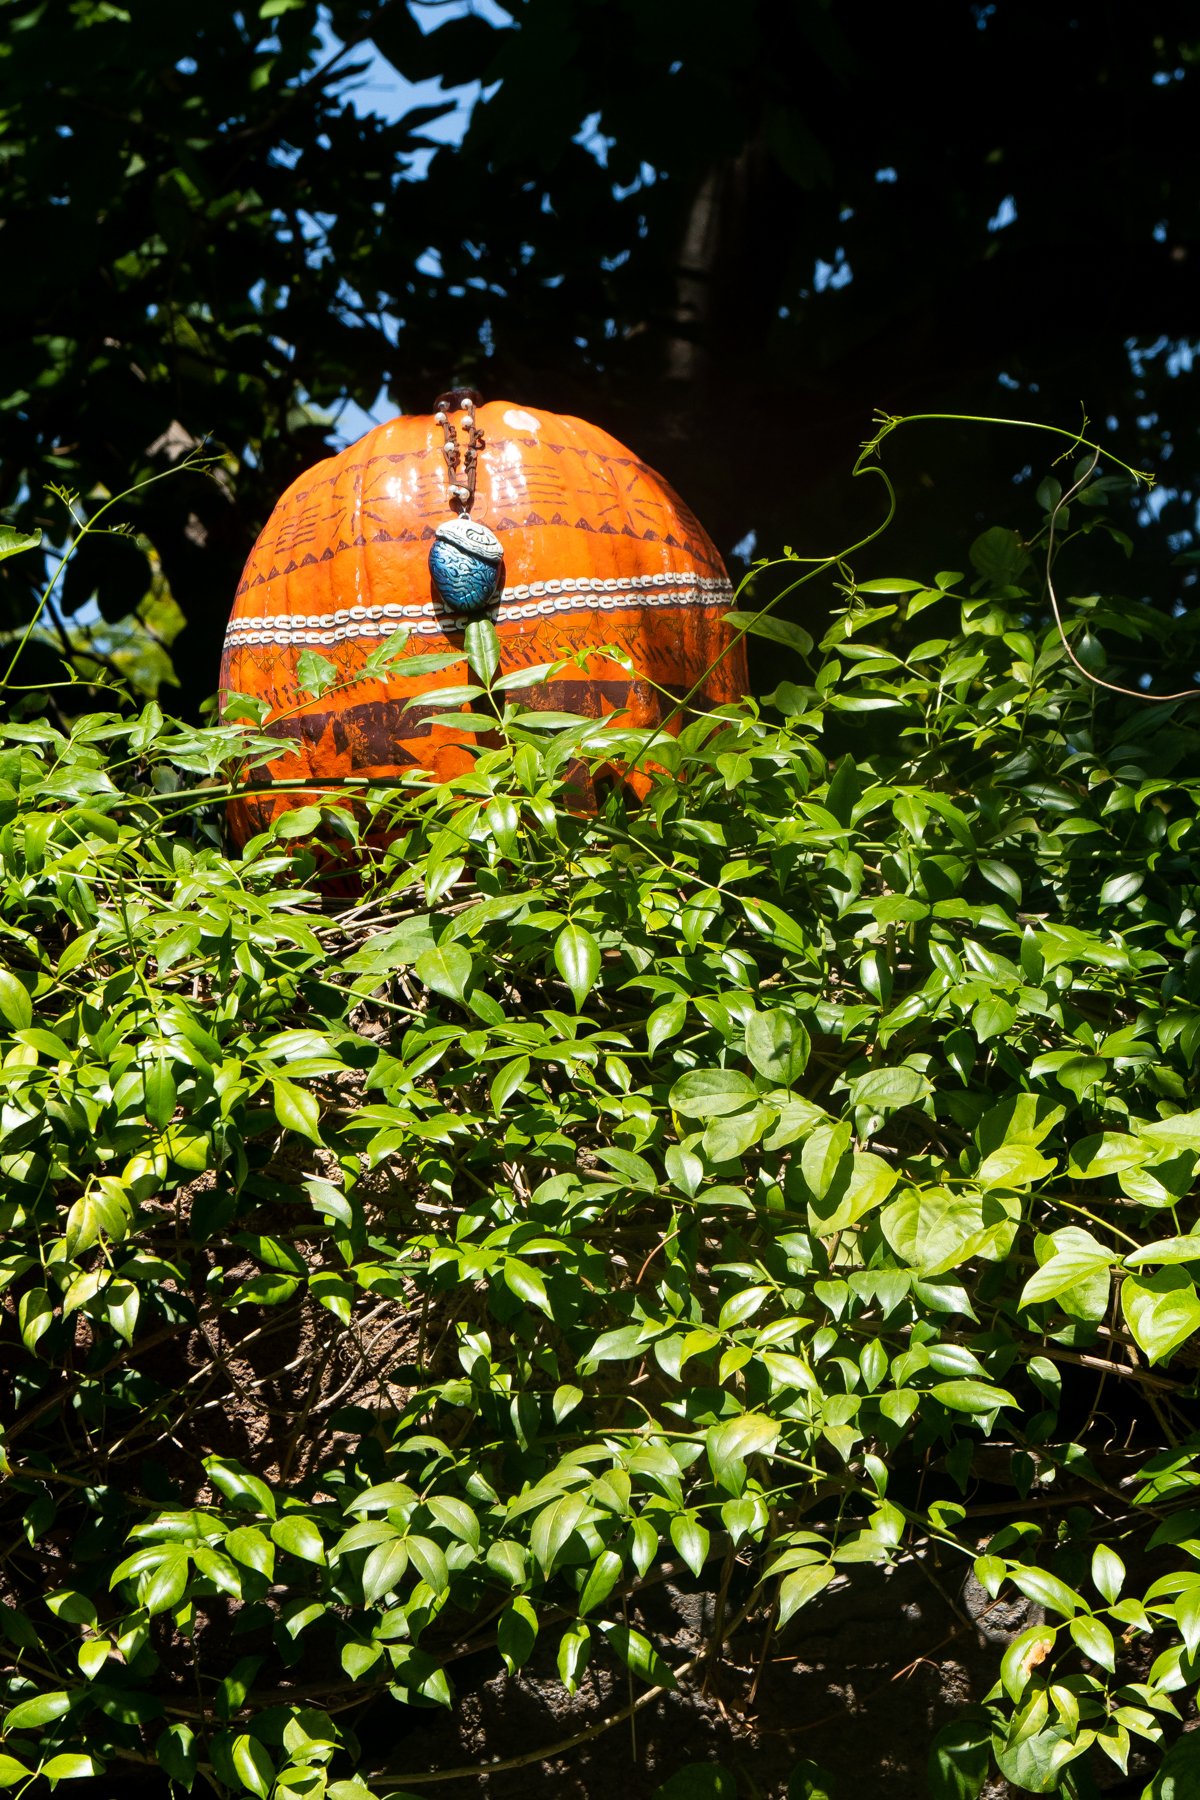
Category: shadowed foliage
[728,1197]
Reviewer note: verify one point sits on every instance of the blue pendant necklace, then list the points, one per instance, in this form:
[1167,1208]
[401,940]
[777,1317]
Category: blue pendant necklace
[466,560]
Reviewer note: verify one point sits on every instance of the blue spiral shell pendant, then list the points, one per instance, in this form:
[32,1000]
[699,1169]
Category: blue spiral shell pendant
[466,566]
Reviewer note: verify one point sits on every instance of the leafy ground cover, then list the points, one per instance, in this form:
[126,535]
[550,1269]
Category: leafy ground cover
[791,1170]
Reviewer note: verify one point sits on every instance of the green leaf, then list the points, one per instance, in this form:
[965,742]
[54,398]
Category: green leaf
[933,1229]
[740,1516]
[887,1090]
[430,1562]
[776,925]
[71,1765]
[1119,888]
[1108,1572]
[35,1315]
[92,1656]
[777,1046]
[456,1517]
[447,969]
[507,1081]
[246,1491]
[644,1547]
[801,1586]
[252,1762]
[531,676]
[1002,876]
[41,1709]
[731,1443]
[809,1781]
[577,959]
[315,674]
[526,1284]
[691,1539]
[121,1306]
[778,631]
[1095,1640]
[503,823]
[566,1398]
[394,949]
[517,1633]
[699,1781]
[12,1771]
[252,1548]
[1027,1651]
[162,1588]
[553,1526]
[508,1562]
[684,1169]
[574,1648]
[960,1757]
[482,645]
[1106,1153]
[971,1396]
[1034,1764]
[603,1576]
[1162,1311]
[665,1022]
[861,1183]
[359,1659]
[1078,1074]
[636,1170]
[219,1570]
[1166,1250]
[1076,1258]
[297,1110]
[822,1153]
[639,1654]
[1187,1617]
[103,1209]
[614,1346]
[710,1093]
[1045,1589]
[160,1094]
[176,1753]
[1179,1776]
[999,556]
[16,1008]
[1013,1165]
[728,1138]
[12,542]
[383,1569]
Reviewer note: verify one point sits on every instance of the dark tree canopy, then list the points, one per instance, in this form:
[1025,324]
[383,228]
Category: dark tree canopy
[727,234]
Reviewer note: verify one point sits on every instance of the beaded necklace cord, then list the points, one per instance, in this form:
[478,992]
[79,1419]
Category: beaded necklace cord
[466,400]
[466,558]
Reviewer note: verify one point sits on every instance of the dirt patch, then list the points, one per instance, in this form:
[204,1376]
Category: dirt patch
[860,1682]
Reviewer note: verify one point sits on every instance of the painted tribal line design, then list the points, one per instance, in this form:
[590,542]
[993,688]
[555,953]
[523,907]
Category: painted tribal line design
[642,508]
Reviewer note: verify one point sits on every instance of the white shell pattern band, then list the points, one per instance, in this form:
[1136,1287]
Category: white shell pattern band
[537,599]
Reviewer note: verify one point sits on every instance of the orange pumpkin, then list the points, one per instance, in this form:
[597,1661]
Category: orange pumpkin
[597,550]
